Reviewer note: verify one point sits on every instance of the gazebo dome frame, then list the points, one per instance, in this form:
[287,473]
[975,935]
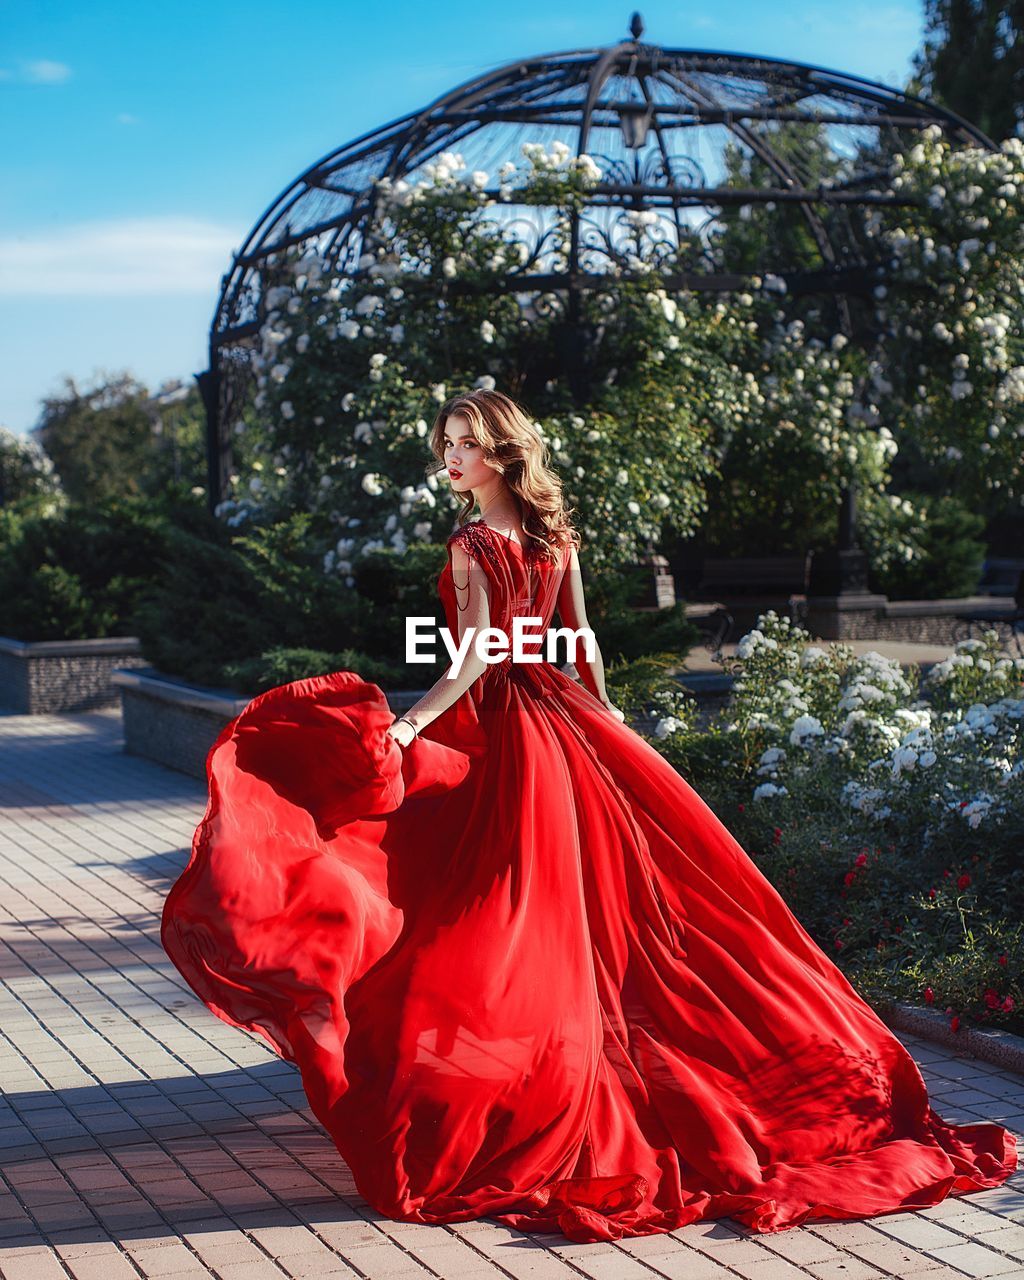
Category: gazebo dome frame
[643,112]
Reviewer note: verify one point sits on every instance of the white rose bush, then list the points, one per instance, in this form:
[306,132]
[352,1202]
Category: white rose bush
[351,372]
[888,807]
[951,369]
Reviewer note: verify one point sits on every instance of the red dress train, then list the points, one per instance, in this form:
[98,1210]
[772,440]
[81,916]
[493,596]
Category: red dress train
[527,974]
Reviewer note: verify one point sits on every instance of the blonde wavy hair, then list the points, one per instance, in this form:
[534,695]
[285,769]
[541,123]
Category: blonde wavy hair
[512,443]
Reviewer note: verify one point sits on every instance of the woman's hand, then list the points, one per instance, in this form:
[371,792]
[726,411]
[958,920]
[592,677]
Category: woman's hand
[401,731]
[616,712]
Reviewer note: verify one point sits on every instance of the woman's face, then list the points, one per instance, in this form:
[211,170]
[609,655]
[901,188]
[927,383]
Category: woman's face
[464,456]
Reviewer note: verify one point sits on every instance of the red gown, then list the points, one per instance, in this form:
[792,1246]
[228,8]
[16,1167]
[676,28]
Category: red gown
[527,974]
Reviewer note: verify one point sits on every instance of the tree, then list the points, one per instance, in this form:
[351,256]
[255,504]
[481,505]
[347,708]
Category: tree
[117,440]
[973,62]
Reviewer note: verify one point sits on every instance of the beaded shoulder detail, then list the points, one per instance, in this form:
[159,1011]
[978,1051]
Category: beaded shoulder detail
[475,538]
[477,534]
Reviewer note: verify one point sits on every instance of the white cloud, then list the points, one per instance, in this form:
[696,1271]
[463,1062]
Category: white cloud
[157,255]
[45,71]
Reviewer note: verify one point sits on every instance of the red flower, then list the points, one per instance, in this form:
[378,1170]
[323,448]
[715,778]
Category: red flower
[1003,959]
[964,881]
[964,804]
[839,944]
[849,877]
[861,860]
[946,874]
[741,807]
[1008,1003]
[954,1023]
[991,997]
[929,995]
[776,835]
[931,894]
[846,921]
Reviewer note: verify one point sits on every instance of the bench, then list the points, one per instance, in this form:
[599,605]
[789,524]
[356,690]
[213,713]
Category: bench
[1001,576]
[759,580]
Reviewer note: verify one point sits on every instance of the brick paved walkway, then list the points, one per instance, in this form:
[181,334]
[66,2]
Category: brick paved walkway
[142,1136]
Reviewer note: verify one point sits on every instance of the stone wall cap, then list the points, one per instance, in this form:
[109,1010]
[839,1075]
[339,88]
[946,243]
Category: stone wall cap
[156,684]
[69,648]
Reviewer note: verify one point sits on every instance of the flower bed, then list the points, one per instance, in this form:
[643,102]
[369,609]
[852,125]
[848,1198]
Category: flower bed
[887,807]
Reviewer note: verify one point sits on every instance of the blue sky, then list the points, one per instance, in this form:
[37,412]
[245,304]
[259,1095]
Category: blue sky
[141,142]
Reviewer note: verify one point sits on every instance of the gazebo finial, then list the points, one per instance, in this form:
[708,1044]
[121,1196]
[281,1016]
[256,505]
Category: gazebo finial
[636,25]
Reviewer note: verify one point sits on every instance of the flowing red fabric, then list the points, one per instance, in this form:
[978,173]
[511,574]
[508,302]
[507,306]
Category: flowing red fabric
[527,974]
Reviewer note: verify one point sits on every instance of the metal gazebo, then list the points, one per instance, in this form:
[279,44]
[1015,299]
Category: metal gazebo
[662,123]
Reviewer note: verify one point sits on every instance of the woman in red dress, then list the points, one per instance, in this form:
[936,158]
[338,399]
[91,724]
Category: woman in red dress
[525,972]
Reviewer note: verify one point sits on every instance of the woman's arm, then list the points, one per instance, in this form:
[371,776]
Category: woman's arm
[472,599]
[572,610]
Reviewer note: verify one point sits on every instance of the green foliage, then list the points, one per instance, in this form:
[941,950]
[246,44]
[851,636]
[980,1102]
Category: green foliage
[114,440]
[948,551]
[76,574]
[28,482]
[970,62]
[281,666]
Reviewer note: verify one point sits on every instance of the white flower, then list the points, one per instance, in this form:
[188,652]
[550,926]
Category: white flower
[280,371]
[487,331]
[622,476]
[448,267]
[804,728]
[349,329]
[302,343]
[347,401]
[903,759]
[372,485]
[588,167]
[768,789]
[287,409]
[667,725]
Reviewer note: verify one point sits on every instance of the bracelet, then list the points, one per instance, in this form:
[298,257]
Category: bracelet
[415,731]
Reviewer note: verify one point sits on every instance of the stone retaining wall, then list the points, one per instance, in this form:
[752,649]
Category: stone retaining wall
[45,677]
